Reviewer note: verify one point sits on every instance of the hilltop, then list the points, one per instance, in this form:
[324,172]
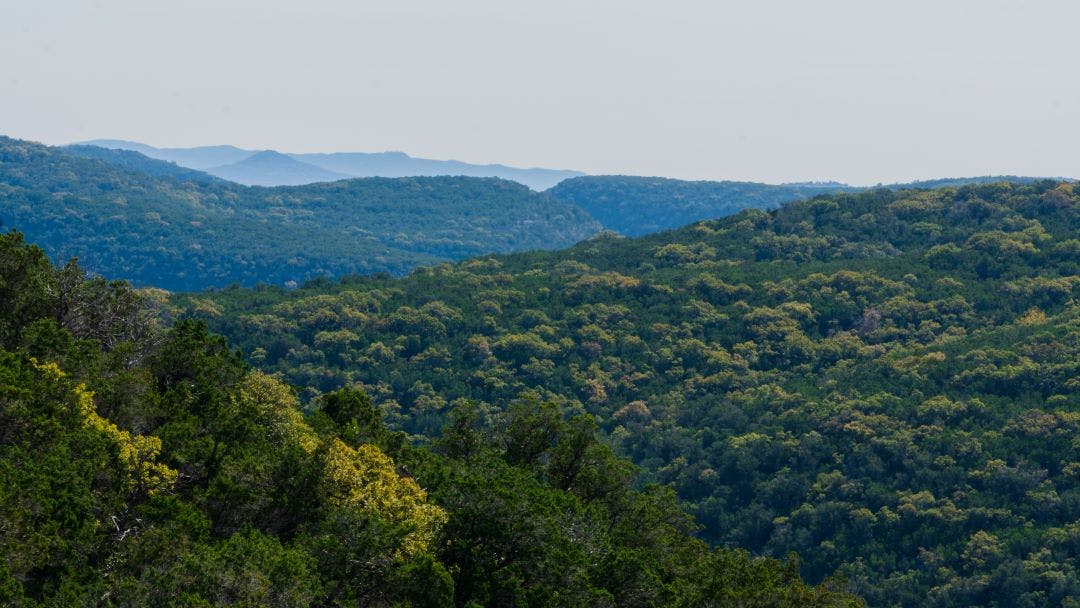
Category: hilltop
[269,168]
[228,162]
[135,161]
[636,206]
[177,233]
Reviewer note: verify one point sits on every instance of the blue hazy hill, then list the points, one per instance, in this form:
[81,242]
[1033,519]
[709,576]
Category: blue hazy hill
[228,162]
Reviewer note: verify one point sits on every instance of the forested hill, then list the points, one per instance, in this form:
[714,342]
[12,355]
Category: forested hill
[884,382]
[150,466]
[138,162]
[636,206]
[153,224]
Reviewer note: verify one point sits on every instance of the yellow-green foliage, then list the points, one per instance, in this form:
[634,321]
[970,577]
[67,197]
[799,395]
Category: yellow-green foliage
[137,452]
[364,479]
[275,407]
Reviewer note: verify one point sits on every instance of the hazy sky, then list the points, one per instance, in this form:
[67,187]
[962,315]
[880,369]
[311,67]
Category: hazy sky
[863,91]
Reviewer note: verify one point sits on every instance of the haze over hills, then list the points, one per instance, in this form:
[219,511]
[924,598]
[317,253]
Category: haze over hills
[269,168]
[876,379]
[136,161]
[180,233]
[399,164]
[636,206]
[156,223]
[201,157]
[223,162]
[658,321]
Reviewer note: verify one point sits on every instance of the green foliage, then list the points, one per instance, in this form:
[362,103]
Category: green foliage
[137,162]
[162,226]
[882,382]
[636,206]
[149,466]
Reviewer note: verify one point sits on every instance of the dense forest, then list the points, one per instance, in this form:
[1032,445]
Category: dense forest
[636,206]
[885,382]
[153,223]
[138,162]
[143,465]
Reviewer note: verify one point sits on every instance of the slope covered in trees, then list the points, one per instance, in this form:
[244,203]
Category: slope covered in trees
[884,382]
[138,162]
[190,234]
[635,206]
[150,466]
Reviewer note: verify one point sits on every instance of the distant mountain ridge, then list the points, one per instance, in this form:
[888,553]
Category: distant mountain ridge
[201,157]
[227,162]
[399,164]
[156,224]
[269,168]
[136,161]
[636,206]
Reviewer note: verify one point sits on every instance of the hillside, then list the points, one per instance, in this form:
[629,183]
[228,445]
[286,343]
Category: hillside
[399,164]
[185,235]
[956,182]
[150,466]
[269,168]
[883,382]
[636,206]
[337,164]
[135,161]
[200,157]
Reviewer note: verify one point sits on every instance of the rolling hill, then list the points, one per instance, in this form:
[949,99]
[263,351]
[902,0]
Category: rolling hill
[143,465]
[136,161]
[200,158]
[228,162]
[183,234]
[884,382]
[271,168]
[636,206]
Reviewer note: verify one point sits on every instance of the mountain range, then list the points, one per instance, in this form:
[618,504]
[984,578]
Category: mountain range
[270,168]
[880,381]
[154,223]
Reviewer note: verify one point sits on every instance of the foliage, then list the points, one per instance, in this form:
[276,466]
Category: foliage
[135,161]
[636,206]
[164,227]
[142,465]
[884,382]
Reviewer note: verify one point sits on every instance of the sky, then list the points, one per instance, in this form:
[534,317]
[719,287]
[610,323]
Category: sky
[861,91]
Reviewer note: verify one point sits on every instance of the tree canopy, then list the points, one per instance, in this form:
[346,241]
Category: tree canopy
[155,224]
[881,382]
[145,464]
